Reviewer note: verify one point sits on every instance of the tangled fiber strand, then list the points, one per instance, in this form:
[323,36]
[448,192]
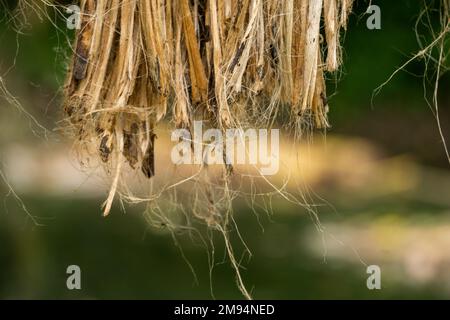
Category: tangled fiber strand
[440,44]
[433,36]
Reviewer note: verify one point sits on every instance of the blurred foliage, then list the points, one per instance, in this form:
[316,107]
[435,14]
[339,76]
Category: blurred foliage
[120,258]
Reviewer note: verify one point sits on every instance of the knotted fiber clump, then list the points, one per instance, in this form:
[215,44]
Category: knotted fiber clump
[227,62]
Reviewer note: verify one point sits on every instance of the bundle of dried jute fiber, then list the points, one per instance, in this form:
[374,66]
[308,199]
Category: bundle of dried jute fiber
[223,61]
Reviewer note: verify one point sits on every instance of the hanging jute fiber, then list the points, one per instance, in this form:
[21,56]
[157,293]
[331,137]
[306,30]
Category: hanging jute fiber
[227,62]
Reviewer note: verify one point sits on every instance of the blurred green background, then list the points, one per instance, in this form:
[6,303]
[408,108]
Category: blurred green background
[384,174]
